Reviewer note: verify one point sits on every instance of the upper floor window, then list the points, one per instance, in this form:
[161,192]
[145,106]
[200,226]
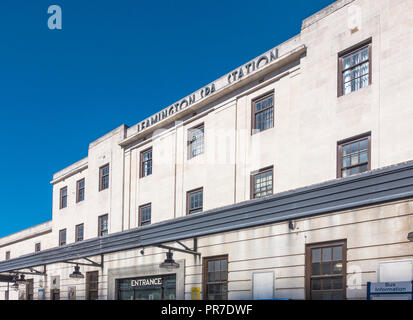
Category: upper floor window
[262,183]
[103,225]
[37,247]
[62,237]
[194,200]
[104,177]
[63,198]
[355,69]
[263,113]
[79,232]
[146,162]
[353,156]
[7,255]
[326,271]
[195,141]
[145,214]
[80,190]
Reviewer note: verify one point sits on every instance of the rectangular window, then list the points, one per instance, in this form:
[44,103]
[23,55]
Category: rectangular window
[354,69]
[92,285]
[263,113]
[146,163]
[103,225]
[37,247]
[145,214]
[262,183]
[79,232]
[195,141]
[194,200]
[63,198]
[216,278]
[353,156]
[326,271]
[104,177]
[62,237]
[80,190]
[29,289]
[7,255]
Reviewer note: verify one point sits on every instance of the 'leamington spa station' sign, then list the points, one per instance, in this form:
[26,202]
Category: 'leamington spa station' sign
[218,85]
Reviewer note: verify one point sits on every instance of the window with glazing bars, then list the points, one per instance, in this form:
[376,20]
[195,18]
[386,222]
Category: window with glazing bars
[37,247]
[326,271]
[194,201]
[79,232]
[104,177]
[216,278]
[195,141]
[146,163]
[7,255]
[63,198]
[92,285]
[355,69]
[62,237]
[353,156]
[145,214]
[263,113]
[103,225]
[80,190]
[262,183]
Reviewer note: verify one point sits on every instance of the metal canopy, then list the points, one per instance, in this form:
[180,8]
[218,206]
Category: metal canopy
[379,186]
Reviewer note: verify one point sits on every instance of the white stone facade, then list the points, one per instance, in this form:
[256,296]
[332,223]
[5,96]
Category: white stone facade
[309,120]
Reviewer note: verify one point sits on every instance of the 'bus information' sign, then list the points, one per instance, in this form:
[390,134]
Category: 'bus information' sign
[389,289]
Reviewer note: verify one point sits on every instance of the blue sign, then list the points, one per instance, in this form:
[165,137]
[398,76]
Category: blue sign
[390,290]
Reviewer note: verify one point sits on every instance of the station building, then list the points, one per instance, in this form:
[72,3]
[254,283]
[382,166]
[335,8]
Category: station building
[290,177]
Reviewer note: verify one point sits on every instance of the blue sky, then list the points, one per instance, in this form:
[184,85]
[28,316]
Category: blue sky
[114,62]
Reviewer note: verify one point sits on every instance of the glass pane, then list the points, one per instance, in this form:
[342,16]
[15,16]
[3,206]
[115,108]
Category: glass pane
[346,63]
[354,147]
[326,267]
[337,268]
[223,275]
[326,284]
[316,269]
[355,59]
[346,150]
[346,162]
[363,144]
[364,156]
[337,283]
[326,254]
[224,265]
[316,255]
[337,253]
[354,159]
[365,54]
[316,284]
[210,266]
[364,168]
[347,76]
